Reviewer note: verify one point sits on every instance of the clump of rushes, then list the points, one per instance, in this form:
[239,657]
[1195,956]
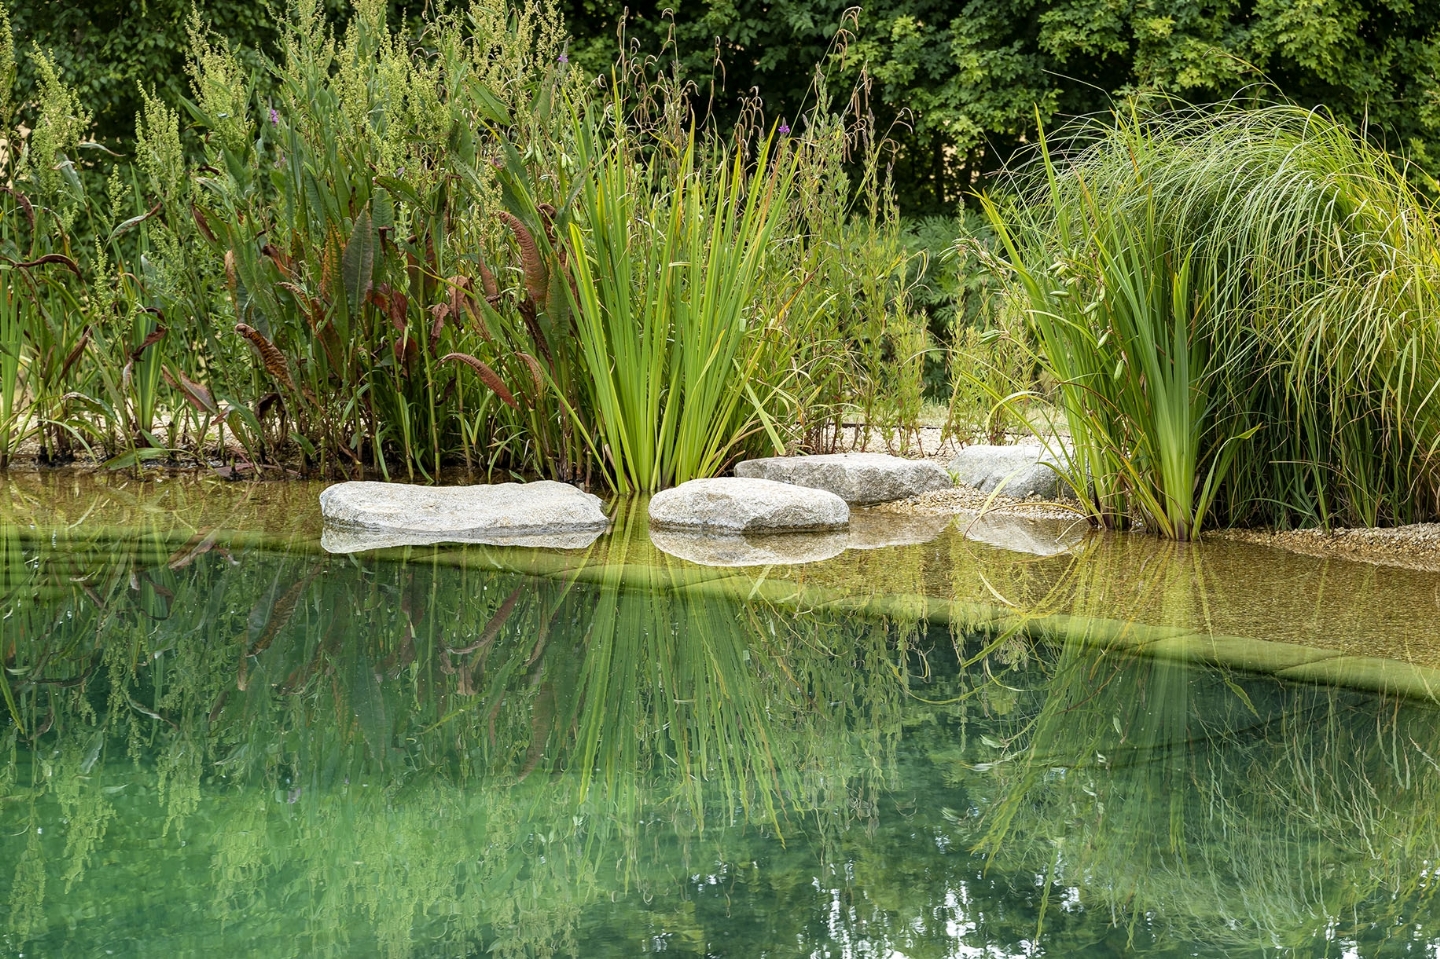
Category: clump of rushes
[1237,307]
[669,256]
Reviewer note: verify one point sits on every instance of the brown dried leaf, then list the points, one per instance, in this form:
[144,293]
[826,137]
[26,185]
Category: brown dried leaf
[24,202]
[201,223]
[439,311]
[487,282]
[231,279]
[270,354]
[154,337]
[195,394]
[74,353]
[487,376]
[281,261]
[60,258]
[536,374]
[537,277]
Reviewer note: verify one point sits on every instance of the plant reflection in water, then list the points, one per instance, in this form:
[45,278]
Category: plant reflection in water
[220,747]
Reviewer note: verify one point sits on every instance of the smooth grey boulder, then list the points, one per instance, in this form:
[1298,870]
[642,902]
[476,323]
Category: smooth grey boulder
[861,479]
[364,515]
[733,549]
[872,530]
[734,505]
[1018,471]
[1021,534]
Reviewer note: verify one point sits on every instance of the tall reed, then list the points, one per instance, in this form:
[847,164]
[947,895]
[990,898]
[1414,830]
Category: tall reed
[1233,304]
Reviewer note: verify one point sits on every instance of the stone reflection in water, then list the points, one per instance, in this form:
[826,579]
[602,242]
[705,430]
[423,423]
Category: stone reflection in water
[220,749]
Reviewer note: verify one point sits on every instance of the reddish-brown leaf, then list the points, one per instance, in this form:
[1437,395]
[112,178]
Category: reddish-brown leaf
[270,354]
[487,281]
[201,223]
[281,261]
[24,202]
[536,375]
[195,394]
[438,312]
[75,352]
[487,376]
[60,258]
[537,277]
[155,336]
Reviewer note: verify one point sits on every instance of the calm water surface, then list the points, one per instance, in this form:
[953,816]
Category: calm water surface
[216,745]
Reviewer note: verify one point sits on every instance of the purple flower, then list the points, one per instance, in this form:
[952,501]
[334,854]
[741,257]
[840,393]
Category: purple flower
[784,129]
[274,117]
[562,58]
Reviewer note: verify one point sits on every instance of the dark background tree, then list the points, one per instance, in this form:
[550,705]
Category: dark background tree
[107,50]
[958,84]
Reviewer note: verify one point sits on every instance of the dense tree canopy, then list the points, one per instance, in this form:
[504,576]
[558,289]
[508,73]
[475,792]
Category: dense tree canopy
[959,84]
[107,50]
[967,79]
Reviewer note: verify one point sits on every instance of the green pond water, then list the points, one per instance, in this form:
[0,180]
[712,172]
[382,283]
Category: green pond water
[219,739]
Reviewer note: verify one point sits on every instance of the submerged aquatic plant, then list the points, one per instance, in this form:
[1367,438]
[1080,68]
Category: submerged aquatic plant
[1234,306]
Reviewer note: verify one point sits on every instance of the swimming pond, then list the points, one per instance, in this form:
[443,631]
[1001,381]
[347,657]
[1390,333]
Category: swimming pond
[223,740]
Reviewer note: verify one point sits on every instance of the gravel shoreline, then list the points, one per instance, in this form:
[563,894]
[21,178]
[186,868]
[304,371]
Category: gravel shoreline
[1411,547]
[967,499]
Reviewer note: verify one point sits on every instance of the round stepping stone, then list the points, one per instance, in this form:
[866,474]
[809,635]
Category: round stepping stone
[1018,471]
[365,515]
[732,505]
[860,479]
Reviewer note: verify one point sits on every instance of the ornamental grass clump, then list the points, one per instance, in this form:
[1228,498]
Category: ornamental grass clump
[1237,308]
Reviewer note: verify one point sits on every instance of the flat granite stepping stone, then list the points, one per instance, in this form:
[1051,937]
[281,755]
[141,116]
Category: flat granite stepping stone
[1018,471]
[733,505]
[861,479]
[366,515]
[733,549]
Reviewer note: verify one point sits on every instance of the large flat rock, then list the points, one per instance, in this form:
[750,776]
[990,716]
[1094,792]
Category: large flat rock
[734,505]
[367,515]
[1018,471]
[861,479]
